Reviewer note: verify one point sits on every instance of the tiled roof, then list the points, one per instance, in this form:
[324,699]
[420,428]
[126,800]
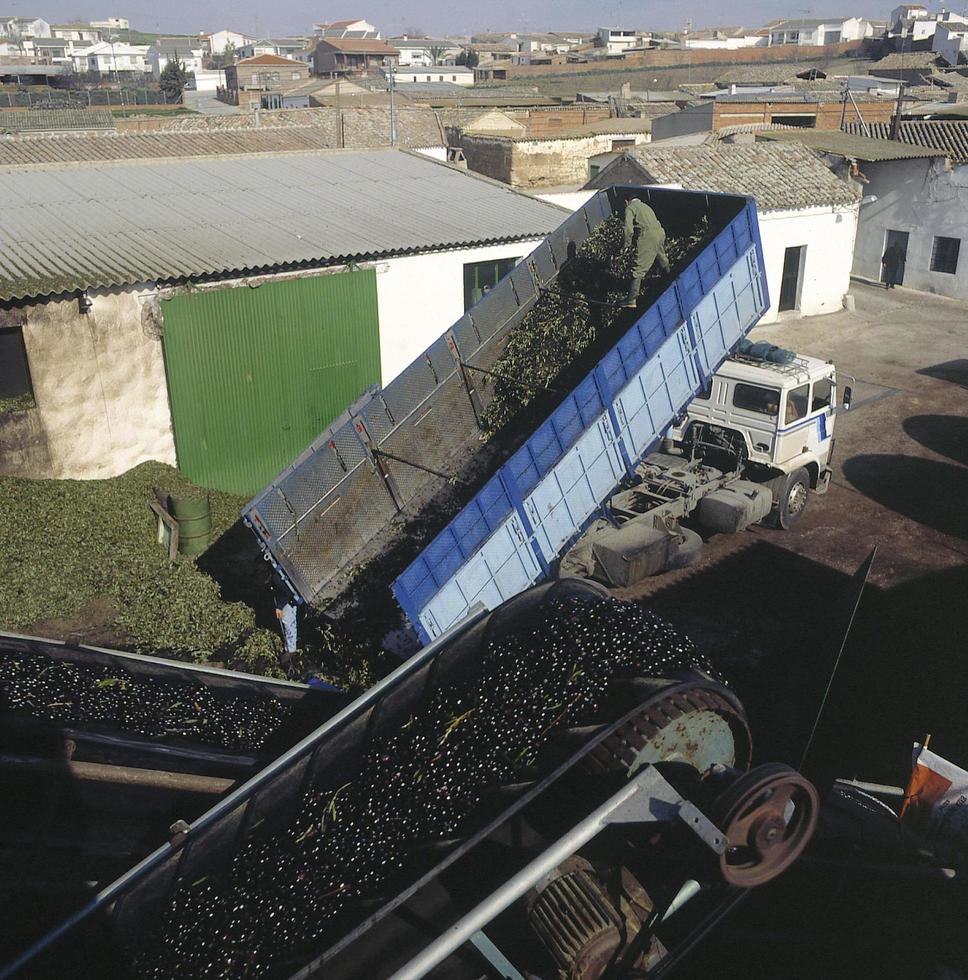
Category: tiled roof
[37,120]
[363,128]
[353,45]
[764,74]
[907,59]
[267,59]
[781,177]
[172,220]
[850,145]
[949,137]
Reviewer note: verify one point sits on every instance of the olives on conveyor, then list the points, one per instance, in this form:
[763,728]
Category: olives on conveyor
[81,696]
[417,784]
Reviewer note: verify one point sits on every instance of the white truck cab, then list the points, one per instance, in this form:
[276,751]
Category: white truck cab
[775,419]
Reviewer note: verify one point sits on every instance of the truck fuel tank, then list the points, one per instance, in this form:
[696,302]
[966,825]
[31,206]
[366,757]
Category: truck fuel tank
[735,507]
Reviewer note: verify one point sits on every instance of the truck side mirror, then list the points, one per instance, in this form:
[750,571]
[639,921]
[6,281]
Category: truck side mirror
[848,395]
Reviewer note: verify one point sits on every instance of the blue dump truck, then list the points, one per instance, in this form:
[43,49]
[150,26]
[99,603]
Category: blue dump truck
[606,817]
[345,499]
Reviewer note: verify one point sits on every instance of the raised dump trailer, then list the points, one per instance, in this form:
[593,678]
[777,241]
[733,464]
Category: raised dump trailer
[514,530]
[347,497]
[650,791]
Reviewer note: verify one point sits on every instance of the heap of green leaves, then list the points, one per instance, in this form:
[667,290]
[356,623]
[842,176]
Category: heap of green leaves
[68,543]
[581,307]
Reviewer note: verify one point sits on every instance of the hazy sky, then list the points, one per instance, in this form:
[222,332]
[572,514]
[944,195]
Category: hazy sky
[456,16]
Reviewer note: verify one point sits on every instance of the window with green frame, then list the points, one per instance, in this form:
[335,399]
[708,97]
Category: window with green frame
[479,277]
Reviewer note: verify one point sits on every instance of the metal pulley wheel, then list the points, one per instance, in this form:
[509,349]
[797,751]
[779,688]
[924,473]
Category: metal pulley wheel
[768,817]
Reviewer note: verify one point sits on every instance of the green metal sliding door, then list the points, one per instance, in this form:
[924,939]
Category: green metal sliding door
[255,374]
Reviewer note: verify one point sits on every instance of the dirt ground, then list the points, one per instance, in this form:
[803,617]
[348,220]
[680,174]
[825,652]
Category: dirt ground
[772,607]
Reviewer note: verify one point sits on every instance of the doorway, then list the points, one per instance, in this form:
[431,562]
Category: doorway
[792,275]
[896,238]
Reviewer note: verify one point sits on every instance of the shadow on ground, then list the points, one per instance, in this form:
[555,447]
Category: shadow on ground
[773,621]
[947,435]
[954,371]
[923,490]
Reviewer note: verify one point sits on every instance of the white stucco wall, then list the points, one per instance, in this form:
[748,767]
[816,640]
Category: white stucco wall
[925,198]
[828,233]
[420,296]
[829,236]
[99,384]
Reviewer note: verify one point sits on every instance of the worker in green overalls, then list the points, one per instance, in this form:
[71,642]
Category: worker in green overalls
[649,244]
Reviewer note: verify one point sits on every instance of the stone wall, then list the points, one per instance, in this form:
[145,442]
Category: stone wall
[99,384]
[673,59]
[540,162]
[23,445]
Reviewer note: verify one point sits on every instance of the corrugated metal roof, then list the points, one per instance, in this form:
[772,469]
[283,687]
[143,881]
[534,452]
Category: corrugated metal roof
[948,136]
[104,225]
[854,146]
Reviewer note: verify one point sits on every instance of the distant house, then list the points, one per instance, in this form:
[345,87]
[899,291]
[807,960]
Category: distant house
[619,40]
[951,42]
[808,216]
[113,58]
[58,50]
[454,74]
[112,24]
[76,32]
[425,52]
[346,28]
[284,47]
[351,56]
[18,26]
[266,73]
[228,342]
[820,31]
[219,41]
[184,50]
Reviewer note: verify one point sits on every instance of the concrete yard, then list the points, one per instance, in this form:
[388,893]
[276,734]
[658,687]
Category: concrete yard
[771,608]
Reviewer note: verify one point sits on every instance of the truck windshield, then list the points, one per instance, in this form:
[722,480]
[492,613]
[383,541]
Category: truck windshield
[753,398]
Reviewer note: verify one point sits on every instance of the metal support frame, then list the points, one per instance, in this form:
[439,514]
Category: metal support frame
[376,458]
[647,798]
[469,386]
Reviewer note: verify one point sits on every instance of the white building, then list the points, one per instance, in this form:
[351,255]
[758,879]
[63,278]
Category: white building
[424,52]
[15,27]
[76,32]
[618,40]
[807,224]
[456,74]
[730,42]
[106,381]
[922,205]
[951,42]
[218,41]
[112,24]
[820,31]
[185,50]
[110,58]
[346,28]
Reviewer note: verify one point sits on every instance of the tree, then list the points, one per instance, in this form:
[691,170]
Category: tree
[469,58]
[436,53]
[173,79]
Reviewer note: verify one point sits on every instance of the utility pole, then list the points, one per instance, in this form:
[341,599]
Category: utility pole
[896,123]
[393,110]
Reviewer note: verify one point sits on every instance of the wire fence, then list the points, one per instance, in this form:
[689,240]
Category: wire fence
[84,99]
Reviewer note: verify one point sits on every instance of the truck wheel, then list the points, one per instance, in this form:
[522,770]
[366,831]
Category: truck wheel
[686,551]
[790,494]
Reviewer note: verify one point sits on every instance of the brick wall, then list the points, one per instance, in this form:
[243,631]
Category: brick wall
[827,113]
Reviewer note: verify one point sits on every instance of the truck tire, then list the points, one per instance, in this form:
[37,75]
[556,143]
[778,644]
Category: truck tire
[686,551]
[790,495]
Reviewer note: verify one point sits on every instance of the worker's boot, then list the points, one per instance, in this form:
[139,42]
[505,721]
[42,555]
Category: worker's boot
[631,301]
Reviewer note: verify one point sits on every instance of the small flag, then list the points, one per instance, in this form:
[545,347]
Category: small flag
[936,805]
